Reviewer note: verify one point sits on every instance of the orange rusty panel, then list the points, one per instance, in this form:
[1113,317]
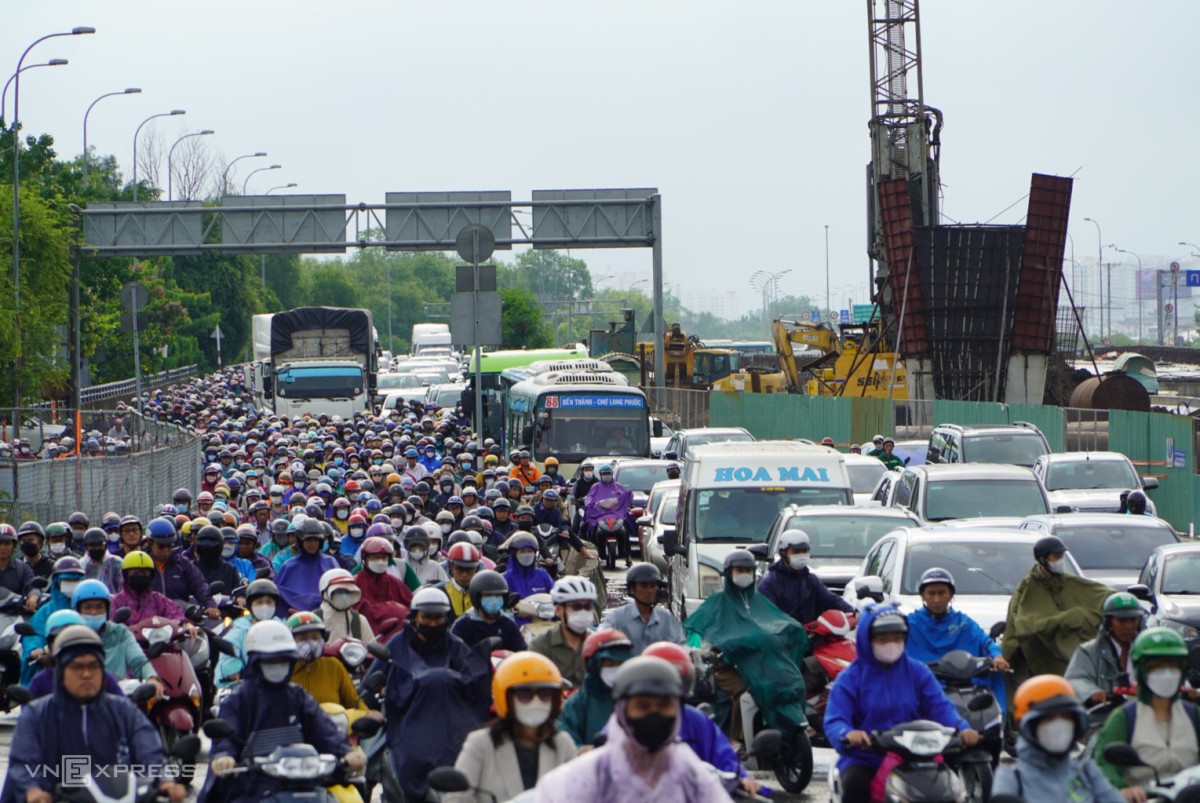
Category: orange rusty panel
[1041,263]
[896,211]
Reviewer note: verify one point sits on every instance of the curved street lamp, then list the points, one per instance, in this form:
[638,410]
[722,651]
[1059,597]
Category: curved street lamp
[171,113]
[171,155]
[133,90]
[246,183]
[228,167]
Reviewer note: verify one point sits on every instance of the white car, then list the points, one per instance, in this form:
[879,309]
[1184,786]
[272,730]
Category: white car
[657,521]
[1004,493]
[987,566]
[1111,547]
[865,474]
[1091,482]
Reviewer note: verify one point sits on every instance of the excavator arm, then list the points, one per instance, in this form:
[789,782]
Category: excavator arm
[813,336]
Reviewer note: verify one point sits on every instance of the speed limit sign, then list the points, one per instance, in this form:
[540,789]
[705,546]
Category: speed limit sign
[1169,308]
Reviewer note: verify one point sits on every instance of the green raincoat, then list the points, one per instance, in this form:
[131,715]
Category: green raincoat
[1048,617]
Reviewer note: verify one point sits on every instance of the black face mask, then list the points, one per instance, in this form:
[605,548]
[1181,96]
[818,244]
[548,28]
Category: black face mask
[97,554]
[652,731]
[209,553]
[432,632]
[29,549]
[139,582]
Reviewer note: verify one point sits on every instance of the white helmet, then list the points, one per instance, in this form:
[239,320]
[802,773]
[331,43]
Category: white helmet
[270,639]
[793,539]
[338,575]
[430,600]
[573,589]
[433,529]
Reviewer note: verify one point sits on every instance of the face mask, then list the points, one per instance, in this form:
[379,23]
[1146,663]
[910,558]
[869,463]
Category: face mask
[280,539]
[1057,567]
[29,549]
[357,532]
[417,555]
[113,537]
[525,558]
[275,673]
[68,587]
[227,550]
[397,523]
[1056,736]
[208,552]
[57,548]
[343,513]
[798,562]
[532,714]
[492,605]
[310,650]
[432,632]
[888,654]
[608,675]
[377,566]
[606,479]
[263,611]
[337,461]
[95,621]
[743,580]
[1164,682]
[652,731]
[341,600]
[139,582]
[97,555]
[587,474]
[579,621]
[446,528]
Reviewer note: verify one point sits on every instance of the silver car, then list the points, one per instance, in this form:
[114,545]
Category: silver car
[1091,482]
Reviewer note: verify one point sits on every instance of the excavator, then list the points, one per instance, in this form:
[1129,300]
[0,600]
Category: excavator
[692,365]
[840,364]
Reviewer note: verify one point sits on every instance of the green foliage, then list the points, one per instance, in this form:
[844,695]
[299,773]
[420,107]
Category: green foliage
[523,324]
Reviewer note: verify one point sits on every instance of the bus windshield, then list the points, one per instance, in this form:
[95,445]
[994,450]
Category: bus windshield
[324,382]
[572,427]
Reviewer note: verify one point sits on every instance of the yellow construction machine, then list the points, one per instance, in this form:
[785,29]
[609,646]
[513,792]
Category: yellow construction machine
[690,364]
[840,364]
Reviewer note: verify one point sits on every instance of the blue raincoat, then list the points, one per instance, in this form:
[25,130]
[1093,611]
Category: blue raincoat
[931,637]
[58,602]
[299,580]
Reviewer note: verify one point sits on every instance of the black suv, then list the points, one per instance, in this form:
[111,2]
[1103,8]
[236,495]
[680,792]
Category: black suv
[1018,444]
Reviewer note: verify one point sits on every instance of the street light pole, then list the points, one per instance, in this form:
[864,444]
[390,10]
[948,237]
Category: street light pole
[138,131]
[133,90]
[1100,268]
[228,167]
[13,77]
[281,187]
[171,155]
[246,183]
[262,258]
[16,211]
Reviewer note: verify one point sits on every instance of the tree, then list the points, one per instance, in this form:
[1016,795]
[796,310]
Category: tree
[523,324]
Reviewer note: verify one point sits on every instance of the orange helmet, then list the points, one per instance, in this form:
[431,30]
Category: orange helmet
[523,669]
[1043,696]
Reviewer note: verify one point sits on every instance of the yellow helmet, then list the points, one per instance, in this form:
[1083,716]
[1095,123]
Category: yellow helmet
[137,560]
[522,669]
[551,461]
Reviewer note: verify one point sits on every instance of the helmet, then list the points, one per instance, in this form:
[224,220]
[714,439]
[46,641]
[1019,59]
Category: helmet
[131,519]
[465,556]
[573,588]
[270,639]
[545,479]
[209,534]
[306,622]
[523,540]
[60,619]
[605,469]
[936,576]
[376,545]
[647,675]
[32,528]
[471,522]
[309,528]
[261,588]
[550,495]
[9,533]
[415,535]
[1158,642]
[430,600]
[1048,545]
[643,573]
[66,565]
[79,519]
[677,656]
[889,621]
[1041,696]
[93,537]
[163,531]
[486,582]
[1122,605]
[739,559]
[528,669]
[793,539]
[137,560]
[74,638]
[551,461]
[56,529]
[90,589]
[607,639]
[1136,502]
[501,503]
[333,577]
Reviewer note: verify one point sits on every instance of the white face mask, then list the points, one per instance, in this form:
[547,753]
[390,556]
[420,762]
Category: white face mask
[532,714]
[1056,735]
[525,558]
[342,600]
[343,513]
[743,579]
[889,653]
[417,555]
[377,566]
[587,475]
[228,550]
[58,547]
[798,562]
[1164,682]
[263,611]
[67,587]
[446,528]
[275,673]
[579,621]
[1057,566]
[609,675]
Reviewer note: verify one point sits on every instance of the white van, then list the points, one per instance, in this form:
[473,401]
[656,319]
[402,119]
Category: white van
[729,497]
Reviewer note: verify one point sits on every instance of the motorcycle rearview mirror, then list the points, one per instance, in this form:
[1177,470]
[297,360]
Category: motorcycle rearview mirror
[1123,755]
[143,693]
[218,729]
[1007,799]
[188,747]
[366,727]
[981,702]
[193,613]
[373,683]
[224,646]
[24,629]
[767,743]
[216,587]
[19,695]
[761,552]
[448,779]
[122,615]
[1194,656]
[40,583]
[379,651]
[262,572]
[511,599]
[600,740]
[488,645]
[996,630]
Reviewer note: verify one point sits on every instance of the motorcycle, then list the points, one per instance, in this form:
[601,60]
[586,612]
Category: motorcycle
[609,531]
[352,653]
[538,609]
[920,776]
[832,651]
[12,611]
[1183,787]
[956,672]
[125,787]
[356,790]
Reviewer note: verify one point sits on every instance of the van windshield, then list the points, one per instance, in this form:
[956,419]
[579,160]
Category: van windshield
[746,514]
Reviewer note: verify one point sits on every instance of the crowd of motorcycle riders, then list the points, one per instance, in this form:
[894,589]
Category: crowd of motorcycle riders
[387,571]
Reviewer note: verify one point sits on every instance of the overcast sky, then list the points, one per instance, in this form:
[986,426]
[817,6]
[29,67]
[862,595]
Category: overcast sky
[750,117]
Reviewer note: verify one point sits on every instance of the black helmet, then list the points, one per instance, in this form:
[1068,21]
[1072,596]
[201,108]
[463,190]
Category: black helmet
[261,588]
[486,582]
[182,496]
[643,573]
[310,528]
[32,528]
[79,519]
[209,534]
[472,522]
[739,559]
[1048,545]
[415,535]
[647,674]
[936,576]
[94,537]
[1136,502]
[890,621]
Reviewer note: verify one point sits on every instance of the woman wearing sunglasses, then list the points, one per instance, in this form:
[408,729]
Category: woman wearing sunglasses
[521,744]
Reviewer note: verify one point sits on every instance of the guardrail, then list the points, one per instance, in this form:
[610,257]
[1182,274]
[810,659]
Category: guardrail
[127,387]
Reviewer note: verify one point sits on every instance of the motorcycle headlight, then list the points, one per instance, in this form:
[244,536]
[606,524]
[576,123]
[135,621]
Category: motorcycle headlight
[158,635]
[545,610]
[304,768]
[710,581]
[353,653]
[1187,631]
[923,743]
[342,721]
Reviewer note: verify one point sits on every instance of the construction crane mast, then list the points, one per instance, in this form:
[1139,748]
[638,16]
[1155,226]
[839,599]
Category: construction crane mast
[904,131]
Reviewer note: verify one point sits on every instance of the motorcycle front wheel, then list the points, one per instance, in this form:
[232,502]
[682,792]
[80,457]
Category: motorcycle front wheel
[794,766]
[977,781]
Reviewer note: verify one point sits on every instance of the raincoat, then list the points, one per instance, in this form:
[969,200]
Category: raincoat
[58,601]
[527,580]
[180,579]
[856,701]
[437,693]
[384,596]
[143,605]
[472,628]
[931,637]
[1048,617]
[587,711]
[602,492]
[1095,666]
[1037,775]
[123,657]
[299,580]
[799,594]
[346,624]
[764,644]
[427,570]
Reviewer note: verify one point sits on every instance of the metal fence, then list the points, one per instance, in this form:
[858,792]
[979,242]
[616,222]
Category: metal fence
[679,408]
[39,424]
[163,457]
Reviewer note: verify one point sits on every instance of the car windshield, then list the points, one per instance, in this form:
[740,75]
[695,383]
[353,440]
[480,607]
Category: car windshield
[1181,573]
[746,514]
[864,476]
[328,382]
[845,536]
[725,437]
[1018,449]
[1086,474]
[1116,547]
[978,566]
[397,382]
[640,478]
[973,499]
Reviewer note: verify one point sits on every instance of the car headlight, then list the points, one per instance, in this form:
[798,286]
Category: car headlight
[353,653]
[300,768]
[710,581]
[158,635]
[1187,631]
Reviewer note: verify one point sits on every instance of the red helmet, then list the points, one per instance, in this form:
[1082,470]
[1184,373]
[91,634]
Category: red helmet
[604,640]
[341,501]
[464,554]
[678,657]
[358,517]
[377,546]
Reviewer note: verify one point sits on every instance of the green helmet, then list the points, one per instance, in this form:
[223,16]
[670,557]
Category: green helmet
[1158,642]
[1122,605]
[58,528]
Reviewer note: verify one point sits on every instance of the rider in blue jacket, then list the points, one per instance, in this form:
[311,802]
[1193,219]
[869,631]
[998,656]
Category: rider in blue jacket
[791,585]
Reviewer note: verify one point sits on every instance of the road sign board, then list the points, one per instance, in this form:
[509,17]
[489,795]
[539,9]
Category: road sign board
[1174,267]
[1169,308]
[844,316]
[472,325]
[864,312]
[127,322]
[1193,278]
[464,278]
[134,295]
[816,316]
[475,243]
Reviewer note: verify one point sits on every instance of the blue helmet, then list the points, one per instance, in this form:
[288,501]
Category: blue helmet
[162,529]
[90,589]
